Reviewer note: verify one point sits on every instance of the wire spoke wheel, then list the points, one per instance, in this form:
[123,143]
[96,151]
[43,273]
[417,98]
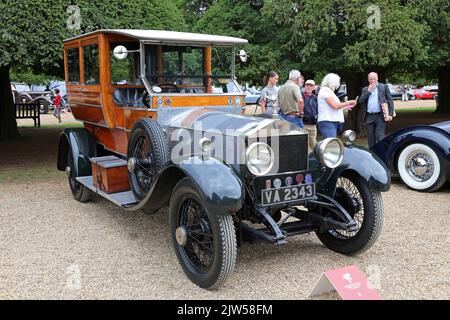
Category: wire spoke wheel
[144,171]
[148,152]
[348,195]
[205,243]
[199,248]
[365,205]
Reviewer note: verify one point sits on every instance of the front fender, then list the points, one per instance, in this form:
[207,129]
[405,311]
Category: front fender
[80,142]
[222,190]
[363,163]
[46,99]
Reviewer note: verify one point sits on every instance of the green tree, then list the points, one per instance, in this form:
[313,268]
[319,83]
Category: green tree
[436,15]
[194,9]
[244,19]
[32,34]
[351,38]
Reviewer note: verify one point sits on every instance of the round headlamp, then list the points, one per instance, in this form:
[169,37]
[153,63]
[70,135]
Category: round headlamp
[330,152]
[260,158]
[349,136]
[205,144]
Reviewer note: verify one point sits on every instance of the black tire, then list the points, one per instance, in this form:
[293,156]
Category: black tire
[79,191]
[44,106]
[205,269]
[148,153]
[367,211]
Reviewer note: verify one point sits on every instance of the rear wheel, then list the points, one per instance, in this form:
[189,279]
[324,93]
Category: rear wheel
[205,243]
[420,168]
[148,152]
[79,191]
[365,206]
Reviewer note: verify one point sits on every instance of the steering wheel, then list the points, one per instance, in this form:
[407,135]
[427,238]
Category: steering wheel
[170,86]
[145,99]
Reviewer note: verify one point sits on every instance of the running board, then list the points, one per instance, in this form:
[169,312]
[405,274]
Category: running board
[122,199]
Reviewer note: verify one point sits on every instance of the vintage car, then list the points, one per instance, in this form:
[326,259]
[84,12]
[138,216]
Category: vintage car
[419,154]
[165,126]
[36,94]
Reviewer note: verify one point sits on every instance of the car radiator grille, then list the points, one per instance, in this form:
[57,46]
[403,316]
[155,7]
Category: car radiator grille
[291,152]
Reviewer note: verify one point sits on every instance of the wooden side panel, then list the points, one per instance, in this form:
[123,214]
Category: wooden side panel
[207,68]
[132,116]
[85,103]
[108,106]
[113,139]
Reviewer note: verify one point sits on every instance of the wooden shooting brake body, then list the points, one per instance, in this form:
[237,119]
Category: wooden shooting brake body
[142,94]
[91,91]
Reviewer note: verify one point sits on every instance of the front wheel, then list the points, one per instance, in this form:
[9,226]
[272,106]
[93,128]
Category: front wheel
[365,206]
[205,243]
[44,107]
[420,168]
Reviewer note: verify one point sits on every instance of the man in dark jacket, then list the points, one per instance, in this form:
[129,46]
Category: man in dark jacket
[310,113]
[377,107]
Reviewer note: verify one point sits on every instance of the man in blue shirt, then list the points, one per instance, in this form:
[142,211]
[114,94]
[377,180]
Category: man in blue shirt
[374,98]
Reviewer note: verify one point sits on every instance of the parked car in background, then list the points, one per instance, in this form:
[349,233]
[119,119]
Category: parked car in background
[419,154]
[40,94]
[396,92]
[424,94]
[252,98]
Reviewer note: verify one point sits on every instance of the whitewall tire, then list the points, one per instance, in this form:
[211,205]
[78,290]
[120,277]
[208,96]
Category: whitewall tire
[420,168]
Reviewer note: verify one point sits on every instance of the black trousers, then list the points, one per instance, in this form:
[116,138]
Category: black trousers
[375,127]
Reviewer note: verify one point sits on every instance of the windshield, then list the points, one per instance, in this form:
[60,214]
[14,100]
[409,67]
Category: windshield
[181,69]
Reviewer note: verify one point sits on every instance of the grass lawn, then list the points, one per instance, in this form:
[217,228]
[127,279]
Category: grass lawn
[417,109]
[30,174]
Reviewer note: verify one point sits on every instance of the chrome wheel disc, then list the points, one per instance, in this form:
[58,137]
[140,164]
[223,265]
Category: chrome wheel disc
[420,166]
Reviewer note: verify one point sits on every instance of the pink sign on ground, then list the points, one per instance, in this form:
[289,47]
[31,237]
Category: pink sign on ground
[350,282]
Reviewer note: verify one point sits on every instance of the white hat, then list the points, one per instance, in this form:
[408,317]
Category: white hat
[309,81]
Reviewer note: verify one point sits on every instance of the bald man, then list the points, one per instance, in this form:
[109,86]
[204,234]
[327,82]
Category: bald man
[373,98]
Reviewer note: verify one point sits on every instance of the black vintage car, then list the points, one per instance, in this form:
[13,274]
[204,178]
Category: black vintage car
[226,177]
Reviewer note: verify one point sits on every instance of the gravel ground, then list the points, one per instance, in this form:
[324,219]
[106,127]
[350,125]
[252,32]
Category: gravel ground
[53,247]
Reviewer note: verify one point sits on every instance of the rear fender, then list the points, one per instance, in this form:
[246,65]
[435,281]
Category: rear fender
[80,142]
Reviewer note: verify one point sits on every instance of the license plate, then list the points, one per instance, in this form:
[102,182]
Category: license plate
[288,194]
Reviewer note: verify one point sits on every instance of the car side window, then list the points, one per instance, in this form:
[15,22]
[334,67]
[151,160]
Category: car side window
[91,64]
[73,62]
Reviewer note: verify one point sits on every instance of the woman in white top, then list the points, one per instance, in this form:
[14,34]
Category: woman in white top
[330,110]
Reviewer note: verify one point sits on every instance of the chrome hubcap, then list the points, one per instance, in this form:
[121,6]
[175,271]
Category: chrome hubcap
[181,236]
[131,164]
[420,166]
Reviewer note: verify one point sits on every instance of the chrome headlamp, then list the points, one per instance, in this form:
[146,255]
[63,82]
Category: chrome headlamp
[260,158]
[349,136]
[330,152]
